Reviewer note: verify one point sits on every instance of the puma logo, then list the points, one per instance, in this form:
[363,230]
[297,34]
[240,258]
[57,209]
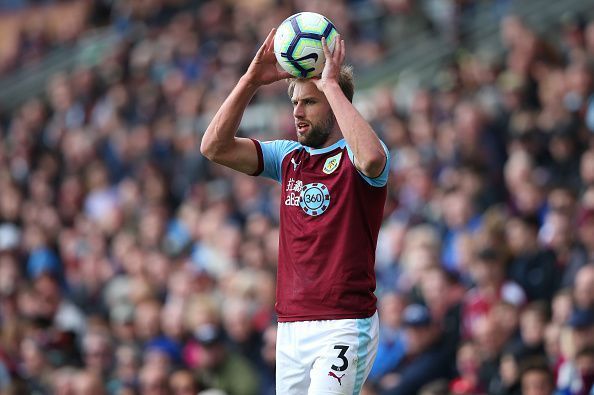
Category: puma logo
[295,164]
[331,374]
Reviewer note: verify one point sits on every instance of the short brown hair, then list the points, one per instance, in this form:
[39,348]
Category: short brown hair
[537,364]
[345,81]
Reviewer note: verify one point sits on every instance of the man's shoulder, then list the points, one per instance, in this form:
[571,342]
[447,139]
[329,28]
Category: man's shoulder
[281,143]
[280,148]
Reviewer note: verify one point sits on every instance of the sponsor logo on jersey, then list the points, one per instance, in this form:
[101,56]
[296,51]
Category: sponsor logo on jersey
[332,374]
[314,199]
[293,190]
[332,163]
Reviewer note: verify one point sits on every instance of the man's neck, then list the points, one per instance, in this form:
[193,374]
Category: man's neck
[334,137]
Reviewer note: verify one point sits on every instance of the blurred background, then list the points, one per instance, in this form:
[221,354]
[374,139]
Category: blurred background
[130,265]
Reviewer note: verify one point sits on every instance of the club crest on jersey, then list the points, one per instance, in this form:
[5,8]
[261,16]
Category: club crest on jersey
[332,163]
[314,199]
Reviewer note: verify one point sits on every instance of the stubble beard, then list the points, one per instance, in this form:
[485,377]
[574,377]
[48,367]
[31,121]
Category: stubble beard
[319,133]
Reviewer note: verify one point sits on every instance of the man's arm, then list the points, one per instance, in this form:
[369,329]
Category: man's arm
[370,157]
[219,143]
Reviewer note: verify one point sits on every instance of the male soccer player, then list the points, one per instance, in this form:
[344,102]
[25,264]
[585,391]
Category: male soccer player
[333,192]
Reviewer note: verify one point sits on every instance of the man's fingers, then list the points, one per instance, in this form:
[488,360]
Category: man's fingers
[260,52]
[267,43]
[284,74]
[325,48]
[338,49]
[336,52]
[270,37]
[316,81]
[342,52]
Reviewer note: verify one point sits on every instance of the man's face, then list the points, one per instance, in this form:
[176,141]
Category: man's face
[536,383]
[584,287]
[586,233]
[583,337]
[182,383]
[313,117]
[419,338]
[212,355]
[152,380]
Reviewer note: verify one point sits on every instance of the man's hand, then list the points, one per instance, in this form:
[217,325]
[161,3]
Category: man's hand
[333,62]
[264,68]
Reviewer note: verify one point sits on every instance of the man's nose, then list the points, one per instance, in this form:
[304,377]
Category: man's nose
[298,111]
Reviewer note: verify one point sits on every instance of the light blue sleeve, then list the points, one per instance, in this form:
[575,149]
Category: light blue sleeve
[380,180]
[273,153]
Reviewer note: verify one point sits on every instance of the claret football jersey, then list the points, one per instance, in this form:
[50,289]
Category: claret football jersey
[330,217]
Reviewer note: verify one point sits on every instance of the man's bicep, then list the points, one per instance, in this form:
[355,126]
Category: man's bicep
[242,156]
[380,180]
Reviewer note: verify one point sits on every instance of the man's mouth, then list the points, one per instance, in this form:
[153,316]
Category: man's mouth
[302,127]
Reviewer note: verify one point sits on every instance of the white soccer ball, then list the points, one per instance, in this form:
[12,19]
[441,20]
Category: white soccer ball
[298,45]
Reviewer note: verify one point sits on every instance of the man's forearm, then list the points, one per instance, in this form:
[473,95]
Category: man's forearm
[220,134]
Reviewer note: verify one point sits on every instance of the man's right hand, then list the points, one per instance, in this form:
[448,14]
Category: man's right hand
[264,68]
[220,143]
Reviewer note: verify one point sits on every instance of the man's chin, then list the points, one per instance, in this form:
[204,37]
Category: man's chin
[303,140]
[312,139]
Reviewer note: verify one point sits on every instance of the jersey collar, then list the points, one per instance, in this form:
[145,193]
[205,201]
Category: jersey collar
[316,151]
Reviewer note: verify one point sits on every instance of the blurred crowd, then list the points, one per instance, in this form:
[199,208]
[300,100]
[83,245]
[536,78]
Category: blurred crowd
[130,265]
[31,30]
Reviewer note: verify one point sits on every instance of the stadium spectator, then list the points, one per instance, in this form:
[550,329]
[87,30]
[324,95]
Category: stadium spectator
[468,361]
[491,286]
[392,343]
[537,378]
[221,368]
[532,267]
[428,357]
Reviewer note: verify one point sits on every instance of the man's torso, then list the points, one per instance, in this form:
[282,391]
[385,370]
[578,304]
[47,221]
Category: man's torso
[330,217]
